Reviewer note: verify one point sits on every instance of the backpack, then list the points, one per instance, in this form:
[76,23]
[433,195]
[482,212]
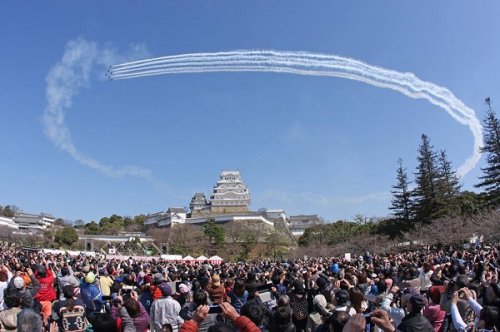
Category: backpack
[300,308]
[74,320]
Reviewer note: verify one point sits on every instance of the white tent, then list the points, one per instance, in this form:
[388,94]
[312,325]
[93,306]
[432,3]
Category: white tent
[201,259]
[171,257]
[188,259]
[215,260]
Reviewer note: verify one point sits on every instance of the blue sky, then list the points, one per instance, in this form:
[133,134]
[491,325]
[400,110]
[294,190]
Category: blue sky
[306,144]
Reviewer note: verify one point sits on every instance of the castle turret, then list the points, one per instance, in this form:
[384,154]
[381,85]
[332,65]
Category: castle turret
[230,194]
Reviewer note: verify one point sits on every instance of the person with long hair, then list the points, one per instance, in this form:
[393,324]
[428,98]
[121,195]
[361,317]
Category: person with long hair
[357,299]
[239,295]
[69,313]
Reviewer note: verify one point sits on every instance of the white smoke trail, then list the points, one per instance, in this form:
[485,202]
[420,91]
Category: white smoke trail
[302,63]
[64,80]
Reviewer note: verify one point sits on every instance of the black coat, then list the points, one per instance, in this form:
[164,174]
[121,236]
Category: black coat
[415,323]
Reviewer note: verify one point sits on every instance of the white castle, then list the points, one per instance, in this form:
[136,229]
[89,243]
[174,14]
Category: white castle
[230,194]
[229,202]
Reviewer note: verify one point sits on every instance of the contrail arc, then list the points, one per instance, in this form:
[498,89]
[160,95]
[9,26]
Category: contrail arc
[311,64]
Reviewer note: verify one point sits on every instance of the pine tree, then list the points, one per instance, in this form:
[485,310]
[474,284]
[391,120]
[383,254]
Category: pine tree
[448,187]
[401,202]
[426,178]
[490,181]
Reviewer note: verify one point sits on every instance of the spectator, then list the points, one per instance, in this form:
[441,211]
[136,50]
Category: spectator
[107,280]
[46,294]
[29,321]
[69,313]
[239,295]
[415,321]
[91,295]
[5,276]
[165,311]
[8,317]
[241,323]
[216,291]
[299,305]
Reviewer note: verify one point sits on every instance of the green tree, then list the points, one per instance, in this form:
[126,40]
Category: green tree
[10,211]
[59,222]
[79,223]
[426,177]
[448,187]
[249,242]
[401,201]
[111,225]
[469,203]
[139,219]
[277,244]
[92,228]
[66,236]
[214,232]
[127,222]
[490,180]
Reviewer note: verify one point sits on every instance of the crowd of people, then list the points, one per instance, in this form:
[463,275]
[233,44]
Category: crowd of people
[428,289]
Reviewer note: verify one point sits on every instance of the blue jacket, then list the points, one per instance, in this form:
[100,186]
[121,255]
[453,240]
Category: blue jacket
[91,297]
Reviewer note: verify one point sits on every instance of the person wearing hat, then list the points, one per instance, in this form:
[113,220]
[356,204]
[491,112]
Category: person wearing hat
[342,298]
[165,311]
[27,293]
[91,294]
[184,294]
[216,291]
[314,319]
[415,321]
[46,295]
[299,305]
[155,290]
[73,281]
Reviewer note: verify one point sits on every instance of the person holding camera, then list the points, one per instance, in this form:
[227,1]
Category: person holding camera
[239,323]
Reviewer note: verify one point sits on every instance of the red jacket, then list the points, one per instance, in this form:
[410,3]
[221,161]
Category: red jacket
[243,324]
[46,292]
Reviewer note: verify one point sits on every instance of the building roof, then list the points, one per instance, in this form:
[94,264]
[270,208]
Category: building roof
[229,172]
[304,217]
[176,210]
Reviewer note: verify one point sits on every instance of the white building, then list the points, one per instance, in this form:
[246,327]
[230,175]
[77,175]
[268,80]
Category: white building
[33,221]
[230,194]
[152,219]
[8,222]
[166,218]
[299,224]
[199,204]
[275,214]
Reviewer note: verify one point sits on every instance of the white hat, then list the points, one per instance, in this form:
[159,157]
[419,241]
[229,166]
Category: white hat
[18,282]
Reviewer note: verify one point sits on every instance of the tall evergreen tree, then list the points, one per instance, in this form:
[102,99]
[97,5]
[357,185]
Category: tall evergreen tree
[490,181]
[426,178]
[448,187]
[401,201]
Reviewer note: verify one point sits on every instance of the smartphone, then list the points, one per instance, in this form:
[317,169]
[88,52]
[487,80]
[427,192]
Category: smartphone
[265,297]
[215,309]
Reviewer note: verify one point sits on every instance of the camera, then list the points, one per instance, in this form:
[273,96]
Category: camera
[215,309]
